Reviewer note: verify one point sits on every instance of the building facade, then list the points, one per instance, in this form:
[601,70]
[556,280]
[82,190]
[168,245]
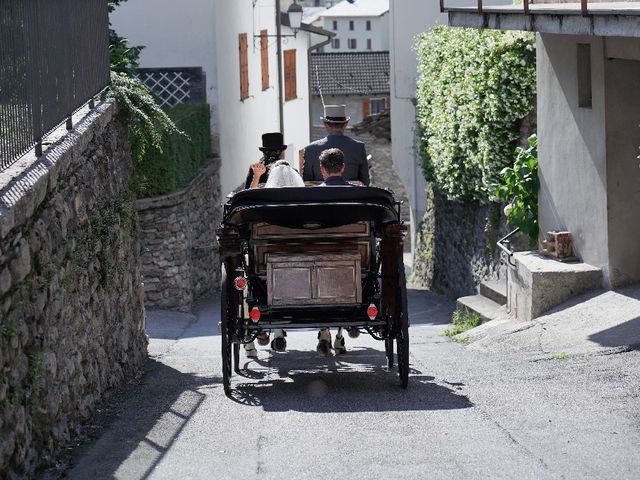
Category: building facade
[236,46]
[360,26]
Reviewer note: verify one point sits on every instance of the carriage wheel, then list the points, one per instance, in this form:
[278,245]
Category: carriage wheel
[236,357]
[402,334]
[226,310]
[388,346]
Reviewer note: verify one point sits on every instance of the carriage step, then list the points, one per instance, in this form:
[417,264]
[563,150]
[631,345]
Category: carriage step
[495,290]
[484,307]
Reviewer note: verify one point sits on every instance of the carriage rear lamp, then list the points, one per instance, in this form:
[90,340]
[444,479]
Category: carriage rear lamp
[240,283]
[255,314]
[372,312]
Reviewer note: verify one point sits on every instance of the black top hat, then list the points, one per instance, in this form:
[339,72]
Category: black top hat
[272,142]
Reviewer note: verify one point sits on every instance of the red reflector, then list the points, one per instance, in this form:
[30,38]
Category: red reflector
[240,283]
[255,314]
[372,311]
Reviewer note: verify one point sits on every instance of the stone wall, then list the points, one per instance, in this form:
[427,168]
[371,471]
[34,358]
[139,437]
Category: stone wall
[72,324]
[456,245]
[177,234]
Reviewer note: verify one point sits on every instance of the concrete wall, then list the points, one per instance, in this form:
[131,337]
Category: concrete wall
[588,164]
[243,122]
[72,327]
[572,146]
[177,236]
[175,34]
[379,33]
[622,81]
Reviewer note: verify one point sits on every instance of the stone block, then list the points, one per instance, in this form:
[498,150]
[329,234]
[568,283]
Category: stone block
[536,283]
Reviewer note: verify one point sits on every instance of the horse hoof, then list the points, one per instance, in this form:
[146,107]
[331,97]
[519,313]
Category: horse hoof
[338,346]
[251,353]
[263,338]
[353,332]
[279,344]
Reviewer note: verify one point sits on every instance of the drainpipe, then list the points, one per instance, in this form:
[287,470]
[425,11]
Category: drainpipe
[279,55]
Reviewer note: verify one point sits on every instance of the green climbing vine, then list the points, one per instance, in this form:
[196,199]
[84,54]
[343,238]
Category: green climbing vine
[474,88]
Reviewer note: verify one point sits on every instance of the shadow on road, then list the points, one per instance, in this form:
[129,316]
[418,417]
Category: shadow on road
[356,382]
[123,442]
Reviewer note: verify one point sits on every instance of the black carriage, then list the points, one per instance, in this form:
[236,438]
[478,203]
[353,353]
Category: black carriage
[310,258]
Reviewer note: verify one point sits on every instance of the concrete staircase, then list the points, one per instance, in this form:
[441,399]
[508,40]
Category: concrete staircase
[492,295]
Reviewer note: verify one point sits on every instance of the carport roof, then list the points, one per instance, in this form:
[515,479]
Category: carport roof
[604,18]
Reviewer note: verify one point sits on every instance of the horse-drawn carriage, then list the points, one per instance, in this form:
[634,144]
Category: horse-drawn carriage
[310,258]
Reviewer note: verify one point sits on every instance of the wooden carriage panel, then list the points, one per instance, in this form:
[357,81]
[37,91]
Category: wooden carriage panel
[268,231]
[261,250]
[313,279]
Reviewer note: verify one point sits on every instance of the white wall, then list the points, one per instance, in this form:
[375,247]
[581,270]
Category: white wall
[175,34]
[408,18]
[572,146]
[379,33]
[243,122]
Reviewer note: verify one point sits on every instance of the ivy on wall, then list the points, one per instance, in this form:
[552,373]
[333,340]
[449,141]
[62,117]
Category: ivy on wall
[164,171]
[474,87]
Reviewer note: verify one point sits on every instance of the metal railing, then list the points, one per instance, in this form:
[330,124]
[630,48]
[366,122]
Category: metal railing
[54,57]
[584,6]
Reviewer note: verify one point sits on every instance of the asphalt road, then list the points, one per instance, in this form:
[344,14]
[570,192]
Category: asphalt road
[467,414]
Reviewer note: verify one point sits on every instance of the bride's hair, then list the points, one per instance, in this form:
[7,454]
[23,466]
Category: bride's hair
[282,175]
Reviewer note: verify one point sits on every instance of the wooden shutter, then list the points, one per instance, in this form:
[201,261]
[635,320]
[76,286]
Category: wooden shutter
[290,88]
[244,66]
[264,57]
[366,108]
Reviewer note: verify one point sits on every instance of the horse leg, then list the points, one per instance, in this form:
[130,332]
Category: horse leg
[324,341]
[338,344]
[279,343]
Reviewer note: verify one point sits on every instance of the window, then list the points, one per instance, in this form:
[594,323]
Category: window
[264,58]
[369,45]
[584,75]
[350,24]
[378,105]
[290,89]
[244,66]
[368,24]
[352,43]
[335,43]
[335,25]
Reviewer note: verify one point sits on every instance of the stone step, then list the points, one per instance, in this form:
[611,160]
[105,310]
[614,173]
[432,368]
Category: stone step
[484,307]
[495,290]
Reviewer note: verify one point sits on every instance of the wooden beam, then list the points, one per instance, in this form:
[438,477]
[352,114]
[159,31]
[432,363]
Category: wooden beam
[441,6]
[525,5]
[479,6]
[585,8]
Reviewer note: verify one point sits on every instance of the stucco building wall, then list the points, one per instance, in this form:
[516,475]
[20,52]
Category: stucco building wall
[589,181]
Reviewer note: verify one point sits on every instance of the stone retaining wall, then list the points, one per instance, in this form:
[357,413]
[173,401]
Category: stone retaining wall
[456,245]
[72,324]
[177,234]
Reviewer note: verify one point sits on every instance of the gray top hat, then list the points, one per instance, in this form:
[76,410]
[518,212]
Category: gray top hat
[335,114]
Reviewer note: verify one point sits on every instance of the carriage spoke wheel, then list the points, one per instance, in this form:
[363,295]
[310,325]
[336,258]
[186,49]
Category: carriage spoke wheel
[388,347]
[226,309]
[402,333]
[236,357]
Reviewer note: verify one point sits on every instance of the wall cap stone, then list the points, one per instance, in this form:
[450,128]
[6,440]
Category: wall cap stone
[25,184]
[176,198]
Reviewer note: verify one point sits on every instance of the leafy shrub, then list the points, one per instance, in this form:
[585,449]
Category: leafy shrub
[518,187]
[461,321]
[164,171]
[124,58]
[474,87]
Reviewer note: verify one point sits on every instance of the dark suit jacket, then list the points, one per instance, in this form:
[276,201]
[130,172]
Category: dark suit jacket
[355,158]
[336,181]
